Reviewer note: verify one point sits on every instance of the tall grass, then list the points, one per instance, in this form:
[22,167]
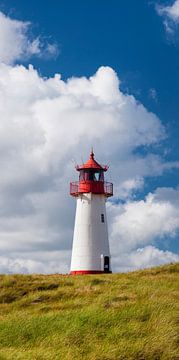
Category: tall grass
[96,317]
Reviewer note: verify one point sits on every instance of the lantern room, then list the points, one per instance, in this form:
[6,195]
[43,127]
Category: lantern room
[91,179]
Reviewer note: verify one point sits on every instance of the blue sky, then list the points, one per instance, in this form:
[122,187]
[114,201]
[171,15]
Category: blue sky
[139,41]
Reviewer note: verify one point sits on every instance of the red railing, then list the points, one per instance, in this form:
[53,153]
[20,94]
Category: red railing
[95,187]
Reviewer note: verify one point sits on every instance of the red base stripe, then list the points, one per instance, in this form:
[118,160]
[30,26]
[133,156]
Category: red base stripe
[88,272]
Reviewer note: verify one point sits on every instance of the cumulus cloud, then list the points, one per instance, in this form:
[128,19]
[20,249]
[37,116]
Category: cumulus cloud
[144,258]
[45,123]
[129,187]
[43,263]
[137,226]
[140,223]
[15,44]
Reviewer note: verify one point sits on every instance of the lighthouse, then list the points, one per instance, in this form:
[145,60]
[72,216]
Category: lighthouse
[90,252]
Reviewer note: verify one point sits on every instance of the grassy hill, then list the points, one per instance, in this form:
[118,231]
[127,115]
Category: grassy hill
[95,317]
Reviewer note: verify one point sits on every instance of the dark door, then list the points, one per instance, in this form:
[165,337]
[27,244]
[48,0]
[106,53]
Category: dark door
[106,264]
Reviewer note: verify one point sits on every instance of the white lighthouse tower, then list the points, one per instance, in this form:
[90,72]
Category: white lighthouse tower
[90,253]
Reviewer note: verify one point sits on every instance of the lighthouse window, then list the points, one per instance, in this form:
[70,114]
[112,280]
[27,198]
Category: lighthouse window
[101,176]
[82,177]
[92,176]
[102,218]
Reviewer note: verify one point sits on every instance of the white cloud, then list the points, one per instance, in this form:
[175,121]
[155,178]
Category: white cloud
[127,189]
[25,265]
[170,11]
[15,44]
[140,223]
[137,226]
[144,258]
[170,16]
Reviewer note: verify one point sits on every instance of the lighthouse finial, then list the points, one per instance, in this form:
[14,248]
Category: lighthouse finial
[92,153]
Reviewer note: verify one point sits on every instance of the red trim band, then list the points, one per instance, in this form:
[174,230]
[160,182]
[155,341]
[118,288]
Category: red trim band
[88,272]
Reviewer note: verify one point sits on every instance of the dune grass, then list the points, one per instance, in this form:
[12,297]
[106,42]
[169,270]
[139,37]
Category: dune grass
[95,317]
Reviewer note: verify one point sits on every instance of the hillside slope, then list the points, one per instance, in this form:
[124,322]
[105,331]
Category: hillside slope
[96,317]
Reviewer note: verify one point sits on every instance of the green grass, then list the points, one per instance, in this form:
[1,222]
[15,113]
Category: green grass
[95,317]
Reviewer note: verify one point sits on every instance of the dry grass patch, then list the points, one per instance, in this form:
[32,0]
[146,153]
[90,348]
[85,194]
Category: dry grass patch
[107,317]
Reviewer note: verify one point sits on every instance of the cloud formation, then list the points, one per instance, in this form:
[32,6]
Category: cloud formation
[141,222]
[16,45]
[45,124]
[171,11]
[170,15]
[144,258]
[137,226]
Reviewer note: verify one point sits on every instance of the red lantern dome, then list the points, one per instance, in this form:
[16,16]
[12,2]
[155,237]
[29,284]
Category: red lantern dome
[92,164]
